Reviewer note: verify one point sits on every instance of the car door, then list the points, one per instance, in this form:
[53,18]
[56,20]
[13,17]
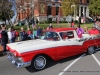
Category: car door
[77,46]
[69,47]
[63,49]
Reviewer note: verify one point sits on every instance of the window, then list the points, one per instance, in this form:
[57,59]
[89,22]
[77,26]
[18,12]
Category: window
[50,36]
[63,35]
[67,35]
[70,34]
[49,10]
[57,10]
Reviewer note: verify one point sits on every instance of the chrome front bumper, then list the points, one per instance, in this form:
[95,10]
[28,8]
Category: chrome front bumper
[18,63]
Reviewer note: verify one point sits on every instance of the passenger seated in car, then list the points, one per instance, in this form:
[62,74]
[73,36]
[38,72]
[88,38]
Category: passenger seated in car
[94,31]
[79,31]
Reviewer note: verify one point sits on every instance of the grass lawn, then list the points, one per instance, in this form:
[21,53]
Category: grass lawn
[61,25]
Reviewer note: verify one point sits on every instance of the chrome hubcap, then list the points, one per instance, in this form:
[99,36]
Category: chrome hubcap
[91,49]
[40,62]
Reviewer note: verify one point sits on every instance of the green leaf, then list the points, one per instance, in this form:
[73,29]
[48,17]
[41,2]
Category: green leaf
[94,6]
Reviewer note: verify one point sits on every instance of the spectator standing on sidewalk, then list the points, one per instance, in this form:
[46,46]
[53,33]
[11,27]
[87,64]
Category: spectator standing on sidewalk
[29,33]
[72,24]
[22,34]
[50,26]
[13,35]
[37,21]
[4,38]
[39,31]
[79,21]
[17,35]
[9,35]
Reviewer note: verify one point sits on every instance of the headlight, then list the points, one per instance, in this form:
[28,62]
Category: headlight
[15,53]
[20,58]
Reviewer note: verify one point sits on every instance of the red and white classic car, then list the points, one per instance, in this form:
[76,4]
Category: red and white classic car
[55,44]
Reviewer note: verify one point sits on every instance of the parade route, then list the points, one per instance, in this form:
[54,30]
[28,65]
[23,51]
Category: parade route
[77,65]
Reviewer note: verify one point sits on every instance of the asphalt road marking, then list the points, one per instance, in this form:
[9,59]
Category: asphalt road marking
[96,59]
[61,73]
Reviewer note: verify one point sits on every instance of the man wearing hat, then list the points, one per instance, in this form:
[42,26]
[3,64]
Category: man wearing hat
[94,31]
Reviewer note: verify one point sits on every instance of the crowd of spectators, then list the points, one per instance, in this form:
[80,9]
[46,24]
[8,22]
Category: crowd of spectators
[11,35]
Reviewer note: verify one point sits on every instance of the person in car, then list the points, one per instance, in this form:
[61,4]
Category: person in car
[94,31]
[79,31]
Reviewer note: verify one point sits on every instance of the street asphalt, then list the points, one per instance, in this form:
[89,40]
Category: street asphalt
[77,65]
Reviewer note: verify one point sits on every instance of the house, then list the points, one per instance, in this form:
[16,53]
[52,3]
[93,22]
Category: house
[43,10]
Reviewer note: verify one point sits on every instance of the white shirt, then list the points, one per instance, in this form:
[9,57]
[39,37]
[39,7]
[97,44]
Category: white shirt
[10,35]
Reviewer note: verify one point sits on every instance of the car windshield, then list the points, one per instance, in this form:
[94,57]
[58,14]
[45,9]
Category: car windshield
[50,36]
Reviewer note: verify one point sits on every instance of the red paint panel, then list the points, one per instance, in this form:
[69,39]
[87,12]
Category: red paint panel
[60,52]
[55,53]
[89,43]
[28,56]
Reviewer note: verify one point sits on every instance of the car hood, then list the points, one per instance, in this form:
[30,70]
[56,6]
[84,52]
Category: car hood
[30,45]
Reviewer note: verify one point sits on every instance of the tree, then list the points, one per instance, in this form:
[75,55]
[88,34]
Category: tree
[6,12]
[21,7]
[94,7]
[67,6]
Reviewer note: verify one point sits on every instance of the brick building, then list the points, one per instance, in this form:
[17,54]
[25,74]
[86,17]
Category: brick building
[83,8]
[47,9]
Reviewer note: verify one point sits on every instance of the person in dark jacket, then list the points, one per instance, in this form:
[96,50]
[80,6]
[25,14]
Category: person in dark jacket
[50,26]
[79,21]
[39,31]
[22,34]
[4,38]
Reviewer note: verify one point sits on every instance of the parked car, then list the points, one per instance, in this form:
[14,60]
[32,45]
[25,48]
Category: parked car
[55,44]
